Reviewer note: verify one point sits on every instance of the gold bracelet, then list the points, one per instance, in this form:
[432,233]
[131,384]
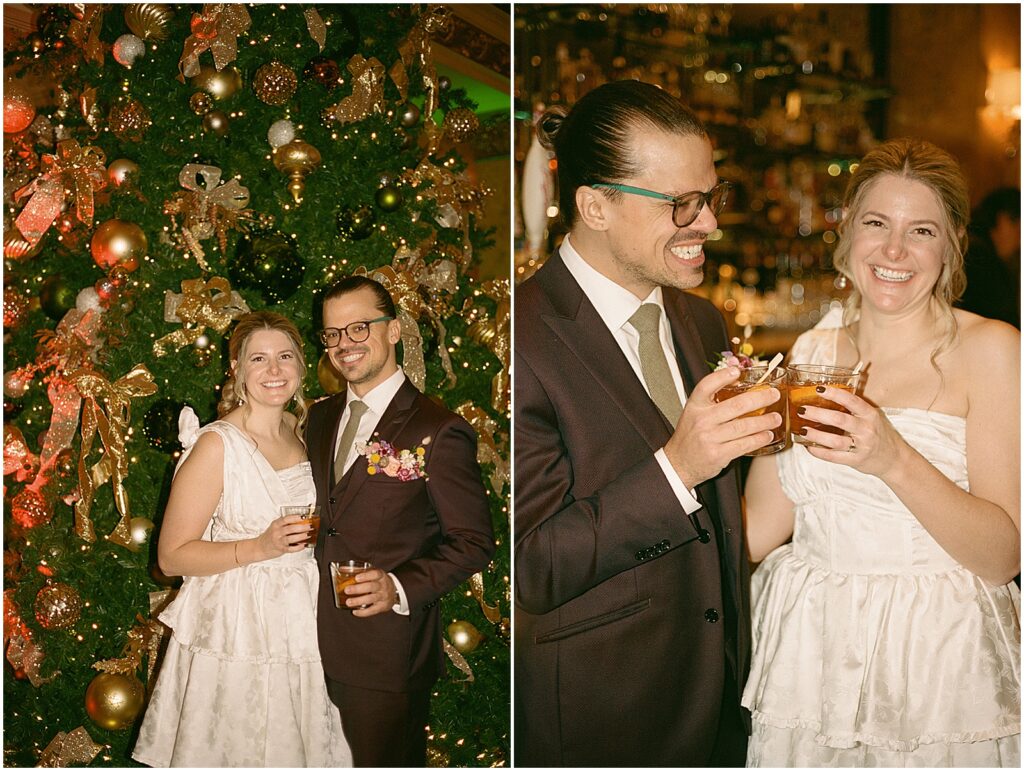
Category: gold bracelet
[236,555]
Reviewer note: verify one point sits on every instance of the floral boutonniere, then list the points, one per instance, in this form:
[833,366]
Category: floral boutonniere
[405,465]
[741,356]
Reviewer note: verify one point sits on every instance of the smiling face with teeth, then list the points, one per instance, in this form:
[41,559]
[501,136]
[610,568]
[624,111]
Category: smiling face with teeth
[369,363]
[269,367]
[899,244]
[634,242]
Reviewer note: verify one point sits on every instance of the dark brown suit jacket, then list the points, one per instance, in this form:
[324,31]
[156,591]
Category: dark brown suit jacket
[431,534]
[625,621]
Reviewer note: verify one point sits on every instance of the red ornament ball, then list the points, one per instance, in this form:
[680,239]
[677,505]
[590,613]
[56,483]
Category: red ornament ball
[19,112]
[30,509]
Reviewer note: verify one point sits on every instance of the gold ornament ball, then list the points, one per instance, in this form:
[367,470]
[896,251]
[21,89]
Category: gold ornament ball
[140,529]
[219,85]
[409,115]
[200,102]
[329,378]
[217,122]
[17,248]
[121,171]
[65,465]
[58,606]
[460,124]
[274,83]
[389,198]
[148,20]
[118,243]
[129,120]
[113,701]
[464,636]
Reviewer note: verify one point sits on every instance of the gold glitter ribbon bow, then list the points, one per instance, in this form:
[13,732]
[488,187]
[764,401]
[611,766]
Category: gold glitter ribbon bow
[18,458]
[84,29]
[500,342]
[75,748]
[404,286]
[215,29]
[487,450]
[210,207]
[416,48]
[201,304]
[476,587]
[80,169]
[112,425]
[459,661]
[367,91]
[21,650]
[315,25]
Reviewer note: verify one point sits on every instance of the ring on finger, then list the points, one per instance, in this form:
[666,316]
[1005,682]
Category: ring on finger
[853,444]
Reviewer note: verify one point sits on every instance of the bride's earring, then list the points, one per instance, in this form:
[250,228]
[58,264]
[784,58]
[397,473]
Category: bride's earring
[841,282]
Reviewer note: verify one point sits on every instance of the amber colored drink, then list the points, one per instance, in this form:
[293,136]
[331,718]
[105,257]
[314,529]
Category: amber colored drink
[749,382]
[344,574]
[804,381]
[314,521]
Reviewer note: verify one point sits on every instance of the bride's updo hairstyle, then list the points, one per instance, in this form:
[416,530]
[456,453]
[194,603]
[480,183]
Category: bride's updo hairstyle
[923,162]
[592,141]
[232,393]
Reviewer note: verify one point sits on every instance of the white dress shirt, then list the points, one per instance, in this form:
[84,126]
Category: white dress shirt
[616,306]
[377,401]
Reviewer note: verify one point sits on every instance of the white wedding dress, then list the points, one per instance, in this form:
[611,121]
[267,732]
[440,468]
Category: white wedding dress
[241,682]
[872,646]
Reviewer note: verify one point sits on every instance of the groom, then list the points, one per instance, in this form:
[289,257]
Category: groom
[632,627]
[424,535]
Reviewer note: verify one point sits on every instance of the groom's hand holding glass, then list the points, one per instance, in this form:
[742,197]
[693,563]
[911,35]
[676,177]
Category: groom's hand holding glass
[370,592]
[711,434]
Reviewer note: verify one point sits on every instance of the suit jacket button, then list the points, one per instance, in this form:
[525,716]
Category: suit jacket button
[332,501]
[331,531]
[728,531]
[711,615]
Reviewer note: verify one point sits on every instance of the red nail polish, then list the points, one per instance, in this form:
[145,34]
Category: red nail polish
[800,411]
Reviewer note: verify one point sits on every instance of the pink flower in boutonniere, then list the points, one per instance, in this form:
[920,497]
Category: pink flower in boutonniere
[405,465]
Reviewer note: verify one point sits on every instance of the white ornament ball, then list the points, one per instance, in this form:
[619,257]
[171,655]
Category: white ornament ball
[281,133]
[127,49]
[88,299]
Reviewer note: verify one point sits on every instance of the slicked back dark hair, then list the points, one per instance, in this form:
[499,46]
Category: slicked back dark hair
[354,283]
[592,140]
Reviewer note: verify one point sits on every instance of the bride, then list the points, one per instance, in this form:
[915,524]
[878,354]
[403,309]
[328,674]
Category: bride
[241,683]
[888,632]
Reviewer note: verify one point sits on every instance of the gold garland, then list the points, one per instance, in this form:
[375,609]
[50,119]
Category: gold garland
[416,48]
[317,28]
[84,30]
[215,29]
[404,284]
[487,450]
[79,169]
[112,425]
[208,208]
[201,304]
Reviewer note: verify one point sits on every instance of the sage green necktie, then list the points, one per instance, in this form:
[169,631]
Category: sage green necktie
[348,437]
[653,364]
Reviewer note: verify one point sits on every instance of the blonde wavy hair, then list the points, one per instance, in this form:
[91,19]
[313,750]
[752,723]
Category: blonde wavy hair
[232,395]
[922,162]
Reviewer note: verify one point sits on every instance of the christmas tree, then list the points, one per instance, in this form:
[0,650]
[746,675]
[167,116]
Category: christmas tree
[165,169]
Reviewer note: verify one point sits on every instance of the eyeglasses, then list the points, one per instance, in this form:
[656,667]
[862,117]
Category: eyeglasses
[686,207]
[357,332]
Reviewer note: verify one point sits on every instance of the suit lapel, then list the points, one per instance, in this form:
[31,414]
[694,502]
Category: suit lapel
[388,427]
[578,324]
